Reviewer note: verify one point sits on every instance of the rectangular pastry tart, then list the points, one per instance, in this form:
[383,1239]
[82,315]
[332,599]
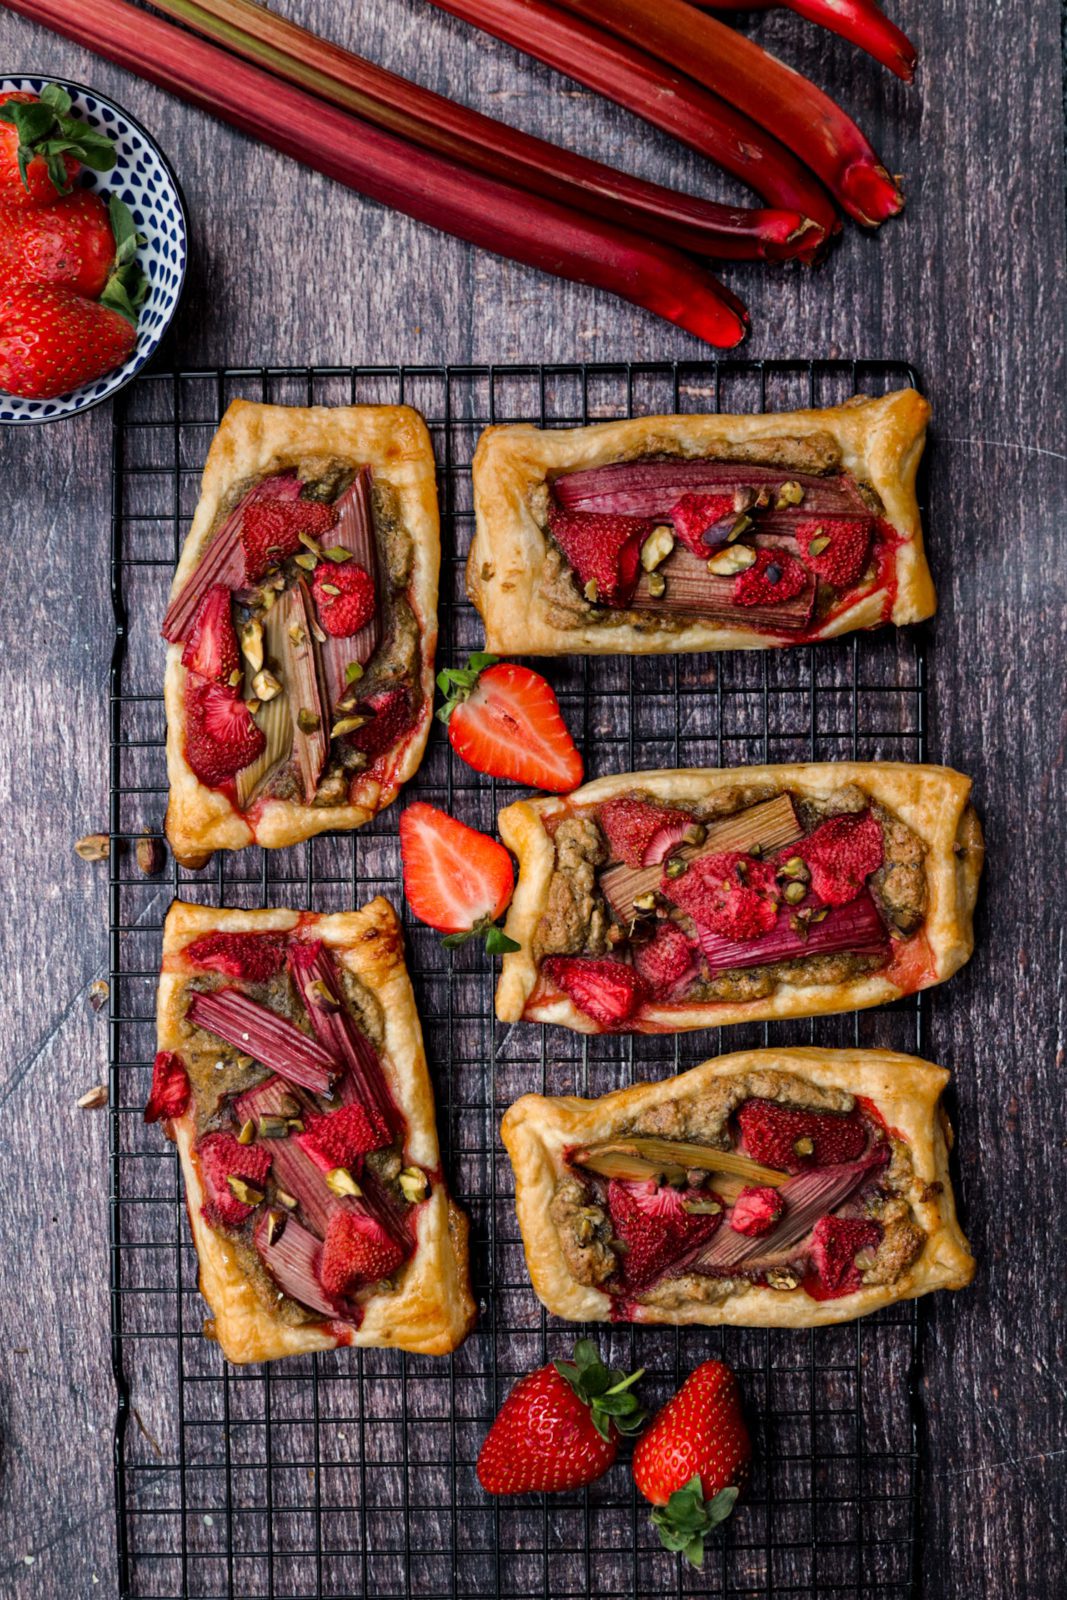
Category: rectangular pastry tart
[292,1075]
[772,1188]
[658,901]
[302,626]
[661,534]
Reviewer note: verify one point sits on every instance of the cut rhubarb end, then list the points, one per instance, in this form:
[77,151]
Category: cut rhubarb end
[871,196]
[856,928]
[364,1081]
[270,1039]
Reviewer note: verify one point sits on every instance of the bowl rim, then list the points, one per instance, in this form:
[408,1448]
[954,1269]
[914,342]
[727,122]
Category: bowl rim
[183,214]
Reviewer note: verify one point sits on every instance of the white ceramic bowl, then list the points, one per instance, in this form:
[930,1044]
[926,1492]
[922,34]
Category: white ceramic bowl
[143,178]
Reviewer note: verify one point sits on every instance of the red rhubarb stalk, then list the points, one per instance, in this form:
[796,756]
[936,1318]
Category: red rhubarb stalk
[354,532]
[856,927]
[861,22]
[653,488]
[224,559]
[303,685]
[454,131]
[666,99]
[806,1198]
[260,1033]
[293,1258]
[511,222]
[789,105]
[313,971]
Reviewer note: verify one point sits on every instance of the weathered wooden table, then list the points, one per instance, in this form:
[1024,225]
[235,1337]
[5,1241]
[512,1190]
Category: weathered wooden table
[969,285]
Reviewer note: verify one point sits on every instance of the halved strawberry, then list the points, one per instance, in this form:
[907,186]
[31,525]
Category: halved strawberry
[608,991]
[840,547]
[630,826]
[255,957]
[271,529]
[357,1250]
[756,1210]
[339,1138]
[835,1243]
[702,520]
[456,879]
[344,597]
[774,576]
[655,1227]
[790,1138]
[220,736]
[731,893]
[169,1095]
[221,1158]
[605,551]
[390,717]
[211,648]
[666,960]
[504,720]
[842,853]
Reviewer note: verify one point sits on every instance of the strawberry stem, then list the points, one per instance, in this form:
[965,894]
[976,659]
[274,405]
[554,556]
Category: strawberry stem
[459,683]
[497,942]
[605,1390]
[687,1519]
[46,129]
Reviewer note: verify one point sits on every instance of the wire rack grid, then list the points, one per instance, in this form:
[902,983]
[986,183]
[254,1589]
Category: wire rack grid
[352,1473]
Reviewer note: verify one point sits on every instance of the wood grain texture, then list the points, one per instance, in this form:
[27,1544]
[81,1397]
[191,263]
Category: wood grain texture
[969,285]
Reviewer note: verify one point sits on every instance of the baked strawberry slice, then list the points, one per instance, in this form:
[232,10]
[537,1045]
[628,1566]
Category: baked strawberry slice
[729,892]
[340,1138]
[389,718]
[169,1095]
[253,957]
[271,529]
[842,853]
[608,991]
[835,1244]
[667,961]
[220,735]
[703,520]
[456,879]
[504,720]
[559,1427]
[357,1251]
[604,551]
[211,648]
[773,577]
[656,1228]
[835,548]
[344,597]
[756,1210]
[631,825]
[791,1139]
[233,1176]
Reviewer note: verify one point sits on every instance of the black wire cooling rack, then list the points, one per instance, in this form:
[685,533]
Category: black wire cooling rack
[352,1473]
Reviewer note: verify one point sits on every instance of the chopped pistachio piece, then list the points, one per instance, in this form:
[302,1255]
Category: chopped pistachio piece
[284,1198]
[818,544]
[734,559]
[93,1099]
[645,902]
[591,591]
[657,585]
[276,1221]
[347,725]
[297,635]
[804,1146]
[329,588]
[99,990]
[657,547]
[702,1208]
[94,847]
[790,494]
[793,893]
[247,1133]
[337,553]
[675,868]
[307,721]
[795,869]
[265,685]
[341,1182]
[150,855]
[310,544]
[740,525]
[353,672]
[252,643]
[308,562]
[413,1184]
[244,1191]
[273,1127]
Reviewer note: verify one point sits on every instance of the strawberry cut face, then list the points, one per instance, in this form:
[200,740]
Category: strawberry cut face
[222,1158]
[731,893]
[835,1244]
[357,1251]
[220,735]
[792,1139]
[271,529]
[702,520]
[655,1227]
[253,957]
[344,597]
[604,551]
[608,991]
[842,853]
[631,825]
[840,547]
[211,649]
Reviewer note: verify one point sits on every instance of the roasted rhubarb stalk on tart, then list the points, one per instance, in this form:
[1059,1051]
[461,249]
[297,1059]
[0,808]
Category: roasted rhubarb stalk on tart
[659,901]
[301,627]
[769,1188]
[292,1076]
[662,534]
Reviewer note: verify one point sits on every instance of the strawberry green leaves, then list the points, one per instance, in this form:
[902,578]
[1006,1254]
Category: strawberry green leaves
[607,1391]
[687,1519]
[127,288]
[458,683]
[45,128]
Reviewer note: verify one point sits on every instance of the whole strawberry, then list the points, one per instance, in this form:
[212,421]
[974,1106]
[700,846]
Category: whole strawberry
[43,148]
[52,340]
[559,1427]
[693,1458]
[70,244]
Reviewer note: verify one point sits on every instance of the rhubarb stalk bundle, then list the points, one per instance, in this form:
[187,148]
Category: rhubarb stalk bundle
[861,22]
[482,210]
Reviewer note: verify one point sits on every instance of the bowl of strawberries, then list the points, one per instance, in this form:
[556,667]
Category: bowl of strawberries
[93,247]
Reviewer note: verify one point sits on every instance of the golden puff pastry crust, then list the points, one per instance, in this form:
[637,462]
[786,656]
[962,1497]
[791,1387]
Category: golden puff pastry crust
[934,802]
[431,1311]
[257,441]
[879,441]
[906,1092]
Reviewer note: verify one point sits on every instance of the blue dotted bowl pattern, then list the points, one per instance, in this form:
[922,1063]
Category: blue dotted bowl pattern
[141,177]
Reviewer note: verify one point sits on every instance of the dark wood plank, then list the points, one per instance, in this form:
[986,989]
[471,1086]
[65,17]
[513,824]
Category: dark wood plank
[969,285]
